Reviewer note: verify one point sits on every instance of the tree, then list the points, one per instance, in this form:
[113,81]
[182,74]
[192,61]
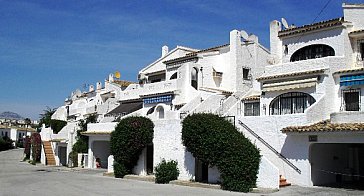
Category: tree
[27,121]
[46,117]
[81,146]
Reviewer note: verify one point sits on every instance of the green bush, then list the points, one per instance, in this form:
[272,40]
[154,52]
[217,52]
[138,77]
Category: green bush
[131,136]
[73,157]
[6,143]
[166,172]
[81,145]
[214,140]
[57,125]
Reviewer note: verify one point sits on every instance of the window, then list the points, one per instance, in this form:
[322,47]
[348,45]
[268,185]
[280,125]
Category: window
[160,112]
[285,49]
[194,78]
[174,76]
[313,52]
[6,134]
[361,47]
[291,103]
[351,100]
[246,75]
[252,109]
[19,135]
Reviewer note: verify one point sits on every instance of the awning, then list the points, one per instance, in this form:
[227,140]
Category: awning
[295,84]
[125,108]
[352,80]
[159,99]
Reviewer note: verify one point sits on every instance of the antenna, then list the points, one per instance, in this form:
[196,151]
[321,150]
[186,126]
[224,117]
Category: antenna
[244,34]
[117,74]
[285,24]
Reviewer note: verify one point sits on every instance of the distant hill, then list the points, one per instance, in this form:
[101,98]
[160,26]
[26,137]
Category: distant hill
[11,115]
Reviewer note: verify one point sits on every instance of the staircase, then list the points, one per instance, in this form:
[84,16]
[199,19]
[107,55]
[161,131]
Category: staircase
[49,153]
[283,182]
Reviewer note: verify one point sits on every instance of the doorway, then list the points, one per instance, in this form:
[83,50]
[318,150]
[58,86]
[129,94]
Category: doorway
[337,165]
[201,171]
[149,159]
[62,151]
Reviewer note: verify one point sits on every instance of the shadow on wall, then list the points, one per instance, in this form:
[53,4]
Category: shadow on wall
[189,163]
[296,147]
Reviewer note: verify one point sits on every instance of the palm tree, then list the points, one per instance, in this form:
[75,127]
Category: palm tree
[45,118]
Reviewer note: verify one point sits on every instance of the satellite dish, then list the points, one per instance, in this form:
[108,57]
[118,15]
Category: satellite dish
[244,34]
[252,37]
[285,24]
[117,74]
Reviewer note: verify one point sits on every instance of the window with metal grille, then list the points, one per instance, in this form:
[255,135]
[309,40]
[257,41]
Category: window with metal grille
[291,103]
[351,100]
[252,109]
[312,52]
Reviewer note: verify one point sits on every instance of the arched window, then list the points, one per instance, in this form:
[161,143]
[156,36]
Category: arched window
[291,103]
[194,78]
[174,76]
[312,52]
[160,112]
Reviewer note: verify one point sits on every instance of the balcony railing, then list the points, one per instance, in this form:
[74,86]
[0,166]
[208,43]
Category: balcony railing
[150,88]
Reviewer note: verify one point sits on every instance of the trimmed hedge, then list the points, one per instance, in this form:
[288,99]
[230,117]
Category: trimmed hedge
[36,145]
[215,141]
[166,172]
[131,136]
[57,125]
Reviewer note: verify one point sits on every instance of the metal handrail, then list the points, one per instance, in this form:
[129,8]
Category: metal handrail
[270,147]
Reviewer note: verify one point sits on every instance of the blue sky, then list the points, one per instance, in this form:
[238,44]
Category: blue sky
[50,48]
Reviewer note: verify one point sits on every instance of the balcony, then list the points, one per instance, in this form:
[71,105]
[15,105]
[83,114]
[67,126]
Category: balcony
[150,88]
[347,117]
[304,66]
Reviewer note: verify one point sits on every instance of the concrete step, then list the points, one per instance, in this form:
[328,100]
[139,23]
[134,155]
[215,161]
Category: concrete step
[283,182]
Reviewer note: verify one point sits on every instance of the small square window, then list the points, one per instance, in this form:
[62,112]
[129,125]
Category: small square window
[252,109]
[246,73]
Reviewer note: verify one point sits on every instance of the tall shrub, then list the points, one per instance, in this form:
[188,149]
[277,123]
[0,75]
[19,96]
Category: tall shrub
[36,145]
[131,136]
[81,145]
[214,140]
[27,147]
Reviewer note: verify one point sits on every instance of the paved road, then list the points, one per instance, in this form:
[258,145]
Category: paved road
[21,178]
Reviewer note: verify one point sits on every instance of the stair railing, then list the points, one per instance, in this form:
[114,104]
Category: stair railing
[281,156]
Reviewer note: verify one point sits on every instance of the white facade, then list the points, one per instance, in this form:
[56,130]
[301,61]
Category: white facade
[311,74]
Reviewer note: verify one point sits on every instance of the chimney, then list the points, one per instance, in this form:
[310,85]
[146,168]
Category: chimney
[275,41]
[236,61]
[91,88]
[111,77]
[98,86]
[164,50]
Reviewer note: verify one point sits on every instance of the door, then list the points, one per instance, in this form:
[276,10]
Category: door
[63,155]
[149,164]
